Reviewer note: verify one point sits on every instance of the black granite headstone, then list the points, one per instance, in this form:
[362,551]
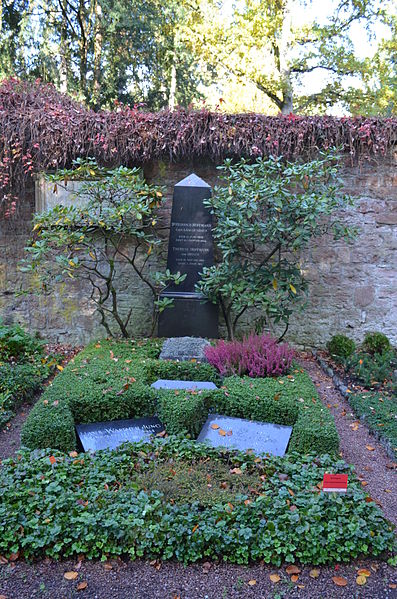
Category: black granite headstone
[236,433]
[190,249]
[111,434]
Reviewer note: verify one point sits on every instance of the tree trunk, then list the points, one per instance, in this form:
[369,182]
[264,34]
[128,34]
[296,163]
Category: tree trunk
[284,47]
[98,42]
[172,95]
[63,51]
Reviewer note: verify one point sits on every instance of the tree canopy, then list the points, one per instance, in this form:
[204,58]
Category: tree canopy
[253,54]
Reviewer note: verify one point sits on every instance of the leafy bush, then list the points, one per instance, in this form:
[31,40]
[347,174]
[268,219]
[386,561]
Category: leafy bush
[376,343]
[266,211]
[341,346]
[49,424]
[107,505]
[256,355]
[6,404]
[15,342]
[183,371]
[183,411]
[22,381]
[380,414]
[372,370]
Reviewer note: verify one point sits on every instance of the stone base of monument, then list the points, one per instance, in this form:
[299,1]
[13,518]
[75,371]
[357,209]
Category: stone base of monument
[190,316]
[184,349]
[111,434]
[237,433]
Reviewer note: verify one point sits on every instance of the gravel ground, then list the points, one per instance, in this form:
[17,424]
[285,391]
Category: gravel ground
[140,580]
[120,579]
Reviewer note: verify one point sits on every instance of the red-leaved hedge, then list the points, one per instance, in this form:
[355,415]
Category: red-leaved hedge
[42,129]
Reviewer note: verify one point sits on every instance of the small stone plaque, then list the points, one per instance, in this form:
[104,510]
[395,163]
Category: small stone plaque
[111,434]
[236,433]
[167,384]
[184,348]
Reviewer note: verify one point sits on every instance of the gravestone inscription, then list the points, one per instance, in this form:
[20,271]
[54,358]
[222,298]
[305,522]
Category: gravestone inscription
[237,433]
[190,249]
[111,434]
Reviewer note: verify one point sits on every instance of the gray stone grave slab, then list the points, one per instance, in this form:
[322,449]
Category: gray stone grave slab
[184,348]
[168,384]
[261,437]
[111,434]
[190,249]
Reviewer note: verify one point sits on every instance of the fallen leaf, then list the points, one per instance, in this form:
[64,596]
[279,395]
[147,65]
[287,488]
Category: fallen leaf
[236,471]
[229,433]
[387,490]
[294,577]
[221,432]
[314,573]
[364,483]
[370,448]
[361,580]
[206,567]
[3,597]
[71,575]
[3,560]
[300,586]
[60,368]
[82,585]
[73,454]
[290,491]
[215,426]
[252,583]
[293,570]
[364,572]
[340,581]
[52,459]
[274,578]
[392,585]
[107,567]
[14,556]
[161,434]
[194,528]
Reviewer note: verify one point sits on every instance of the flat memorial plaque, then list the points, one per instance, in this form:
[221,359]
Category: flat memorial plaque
[111,434]
[236,433]
[168,384]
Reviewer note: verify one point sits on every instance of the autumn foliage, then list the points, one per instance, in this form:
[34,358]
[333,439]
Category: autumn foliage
[42,129]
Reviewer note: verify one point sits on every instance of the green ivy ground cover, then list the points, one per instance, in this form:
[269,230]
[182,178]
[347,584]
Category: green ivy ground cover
[110,380]
[380,414]
[107,504]
[23,368]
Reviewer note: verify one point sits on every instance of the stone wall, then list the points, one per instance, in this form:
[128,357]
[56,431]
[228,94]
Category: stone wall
[352,290]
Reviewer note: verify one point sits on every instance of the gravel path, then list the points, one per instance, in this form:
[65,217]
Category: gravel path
[140,580]
[374,467]
[10,437]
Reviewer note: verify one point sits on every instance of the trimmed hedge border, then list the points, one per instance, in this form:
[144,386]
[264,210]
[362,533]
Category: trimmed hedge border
[385,412]
[106,382]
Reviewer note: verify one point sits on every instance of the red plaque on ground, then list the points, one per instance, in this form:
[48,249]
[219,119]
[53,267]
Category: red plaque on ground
[335,483]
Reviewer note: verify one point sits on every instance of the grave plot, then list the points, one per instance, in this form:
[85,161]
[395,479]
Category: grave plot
[199,501]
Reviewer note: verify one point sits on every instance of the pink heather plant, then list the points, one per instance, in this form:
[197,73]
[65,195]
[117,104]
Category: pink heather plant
[255,356]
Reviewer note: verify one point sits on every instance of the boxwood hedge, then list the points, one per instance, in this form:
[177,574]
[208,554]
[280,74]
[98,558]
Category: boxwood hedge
[111,380]
[99,505]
